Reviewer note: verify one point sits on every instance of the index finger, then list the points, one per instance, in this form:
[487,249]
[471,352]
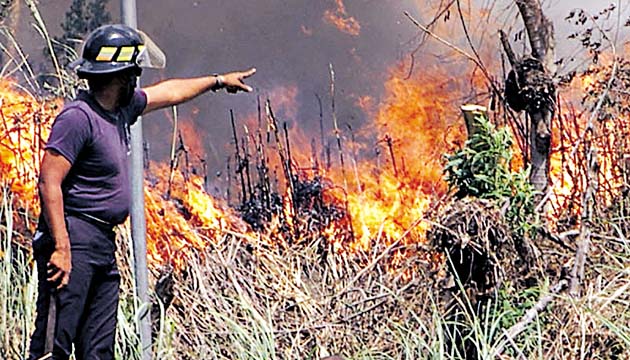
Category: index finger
[248,73]
[55,276]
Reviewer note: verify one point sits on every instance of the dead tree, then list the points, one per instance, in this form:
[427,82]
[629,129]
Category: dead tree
[530,88]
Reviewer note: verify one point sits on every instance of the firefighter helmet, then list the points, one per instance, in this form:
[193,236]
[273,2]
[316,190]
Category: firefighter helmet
[109,49]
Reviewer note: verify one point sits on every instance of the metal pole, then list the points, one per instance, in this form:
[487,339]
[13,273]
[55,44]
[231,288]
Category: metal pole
[138,222]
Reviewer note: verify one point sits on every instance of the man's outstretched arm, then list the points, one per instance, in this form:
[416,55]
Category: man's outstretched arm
[176,91]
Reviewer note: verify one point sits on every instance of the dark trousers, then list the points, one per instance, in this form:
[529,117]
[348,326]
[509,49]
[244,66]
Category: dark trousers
[87,306]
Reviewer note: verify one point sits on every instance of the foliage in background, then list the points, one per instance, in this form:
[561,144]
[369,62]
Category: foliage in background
[82,17]
[5,5]
[482,169]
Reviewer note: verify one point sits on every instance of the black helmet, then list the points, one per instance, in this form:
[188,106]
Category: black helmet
[109,49]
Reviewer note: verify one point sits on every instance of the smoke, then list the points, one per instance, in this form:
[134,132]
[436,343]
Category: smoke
[291,43]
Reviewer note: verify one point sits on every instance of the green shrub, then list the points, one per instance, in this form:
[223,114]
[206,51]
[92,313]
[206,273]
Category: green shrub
[482,168]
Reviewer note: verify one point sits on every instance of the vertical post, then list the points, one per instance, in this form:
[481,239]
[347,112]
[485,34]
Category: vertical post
[138,222]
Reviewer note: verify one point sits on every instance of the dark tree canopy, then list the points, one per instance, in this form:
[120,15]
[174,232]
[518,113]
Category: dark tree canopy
[82,17]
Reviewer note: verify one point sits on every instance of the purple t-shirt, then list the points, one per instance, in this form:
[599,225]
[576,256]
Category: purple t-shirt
[95,142]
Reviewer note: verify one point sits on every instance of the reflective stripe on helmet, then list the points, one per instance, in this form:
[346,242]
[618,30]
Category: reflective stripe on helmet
[126,53]
[106,53]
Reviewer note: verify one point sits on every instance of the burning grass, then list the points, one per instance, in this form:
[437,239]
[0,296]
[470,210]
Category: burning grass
[245,294]
[233,300]
[303,267]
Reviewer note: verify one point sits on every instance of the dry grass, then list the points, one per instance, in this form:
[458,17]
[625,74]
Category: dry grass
[290,302]
[241,298]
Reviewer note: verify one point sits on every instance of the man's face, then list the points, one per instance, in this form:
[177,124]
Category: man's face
[128,80]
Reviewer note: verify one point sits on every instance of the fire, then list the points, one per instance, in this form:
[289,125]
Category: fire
[187,221]
[340,19]
[392,173]
[24,124]
[190,136]
[285,100]
[568,164]
[415,125]
[367,104]
[390,180]
[391,177]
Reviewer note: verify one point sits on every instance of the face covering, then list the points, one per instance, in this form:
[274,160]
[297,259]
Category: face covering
[127,93]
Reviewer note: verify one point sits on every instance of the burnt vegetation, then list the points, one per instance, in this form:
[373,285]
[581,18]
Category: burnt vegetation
[301,198]
[492,256]
[486,276]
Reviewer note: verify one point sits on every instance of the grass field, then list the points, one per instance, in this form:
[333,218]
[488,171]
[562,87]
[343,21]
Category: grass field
[232,302]
[232,292]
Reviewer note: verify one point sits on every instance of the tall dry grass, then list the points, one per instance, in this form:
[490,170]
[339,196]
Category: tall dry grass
[236,300]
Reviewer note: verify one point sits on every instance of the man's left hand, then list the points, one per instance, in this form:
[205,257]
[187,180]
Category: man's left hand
[233,81]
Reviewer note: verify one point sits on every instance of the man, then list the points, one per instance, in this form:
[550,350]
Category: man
[84,189]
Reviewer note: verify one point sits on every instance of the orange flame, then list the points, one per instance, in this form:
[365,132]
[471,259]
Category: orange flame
[568,163]
[186,222]
[24,124]
[415,126]
[191,138]
[388,182]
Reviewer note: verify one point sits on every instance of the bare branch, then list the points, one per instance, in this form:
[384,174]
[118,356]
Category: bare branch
[507,48]
[443,41]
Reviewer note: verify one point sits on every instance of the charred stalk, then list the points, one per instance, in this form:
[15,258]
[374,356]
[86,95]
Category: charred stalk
[286,166]
[239,160]
[263,172]
[336,127]
[173,161]
[182,149]
[229,180]
[390,147]
[259,111]
[314,162]
[245,146]
[321,129]
[204,165]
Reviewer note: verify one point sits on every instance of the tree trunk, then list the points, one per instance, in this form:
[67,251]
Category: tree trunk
[530,87]
[540,32]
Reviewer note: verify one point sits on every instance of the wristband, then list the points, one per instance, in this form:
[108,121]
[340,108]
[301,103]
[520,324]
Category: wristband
[218,82]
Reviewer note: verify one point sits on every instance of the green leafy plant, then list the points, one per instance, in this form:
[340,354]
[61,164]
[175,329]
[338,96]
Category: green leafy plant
[482,169]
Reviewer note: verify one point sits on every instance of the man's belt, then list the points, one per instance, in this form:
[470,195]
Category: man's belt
[91,219]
